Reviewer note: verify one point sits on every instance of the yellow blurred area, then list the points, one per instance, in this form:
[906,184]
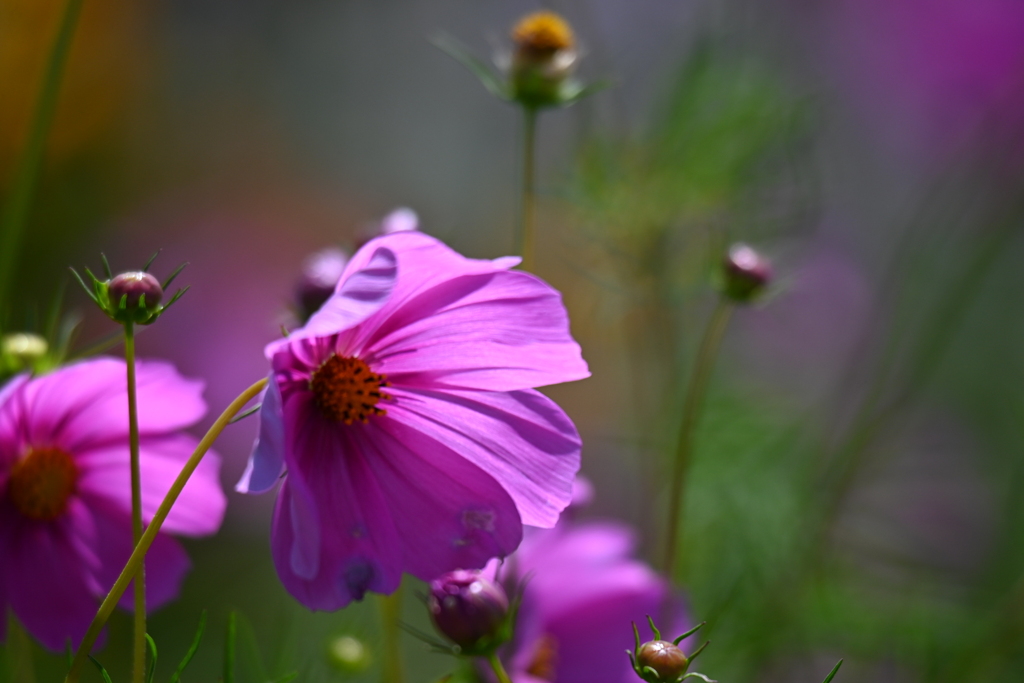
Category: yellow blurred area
[103,69]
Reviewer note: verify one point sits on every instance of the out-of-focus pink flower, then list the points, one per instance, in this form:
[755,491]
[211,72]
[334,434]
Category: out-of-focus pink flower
[400,220]
[322,270]
[320,275]
[583,587]
[65,492]
[405,415]
[933,71]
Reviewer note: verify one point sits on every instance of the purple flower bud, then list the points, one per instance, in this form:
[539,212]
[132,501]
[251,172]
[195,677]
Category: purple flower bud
[666,659]
[132,286]
[746,273]
[468,608]
[320,275]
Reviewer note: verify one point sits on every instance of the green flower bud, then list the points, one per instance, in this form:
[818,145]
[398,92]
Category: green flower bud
[23,348]
[544,58]
[348,654]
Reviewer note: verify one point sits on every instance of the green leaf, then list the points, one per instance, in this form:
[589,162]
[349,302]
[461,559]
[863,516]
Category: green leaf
[192,649]
[573,91]
[480,69]
[103,672]
[835,670]
[244,414]
[177,271]
[151,644]
[145,268]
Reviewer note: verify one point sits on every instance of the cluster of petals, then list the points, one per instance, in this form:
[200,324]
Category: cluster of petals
[456,450]
[65,493]
[581,587]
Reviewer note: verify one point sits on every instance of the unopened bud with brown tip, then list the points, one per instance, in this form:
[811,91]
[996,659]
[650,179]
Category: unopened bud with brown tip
[664,658]
[745,273]
[133,287]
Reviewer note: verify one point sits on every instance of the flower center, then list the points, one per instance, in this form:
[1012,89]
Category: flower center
[41,483]
[346,389]
[545,658]
[543,33]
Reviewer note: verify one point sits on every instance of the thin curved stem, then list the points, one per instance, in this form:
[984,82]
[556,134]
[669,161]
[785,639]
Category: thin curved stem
[702,367]
[17,204]
[499,668]
[139,582]
[391,616]
[527,219]
[110,602]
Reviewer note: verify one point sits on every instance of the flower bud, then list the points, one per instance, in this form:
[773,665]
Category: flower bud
[545,55]
[320,275]
[24,347]
[348,655]
[666,659]
[746,273]
[469,609]
[132,287]
[20,351]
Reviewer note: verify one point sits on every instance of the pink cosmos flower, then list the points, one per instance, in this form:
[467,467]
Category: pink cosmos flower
[582,588]
[65,491]
[405,415]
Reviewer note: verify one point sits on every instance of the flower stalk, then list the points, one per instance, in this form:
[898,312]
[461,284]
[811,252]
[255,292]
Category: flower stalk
[527,231]
[499,668]
[139,582]
[149,535]
[703,365]
[391,616]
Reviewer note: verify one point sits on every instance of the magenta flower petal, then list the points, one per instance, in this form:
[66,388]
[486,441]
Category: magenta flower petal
[86,404]
[522,438]
[407,423]
[498,332]
[445,507]
[266,465]
[423,263]
[166,561]
[65,510]
[360,294]
[48,586]
[199,510]
[339,519]
[345,568]
[583,591]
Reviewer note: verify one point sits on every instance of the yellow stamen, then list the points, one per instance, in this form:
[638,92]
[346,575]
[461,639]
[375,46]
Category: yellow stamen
[543,32]
[41,482]
[545,659]
[347,390]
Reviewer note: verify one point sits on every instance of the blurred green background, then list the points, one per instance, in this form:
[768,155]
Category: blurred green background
[856,486]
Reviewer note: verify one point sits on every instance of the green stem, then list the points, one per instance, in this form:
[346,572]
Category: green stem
[703,365]
[391,615]
[499,668]
[16,208]
[139,583]
[110,602]
[526,231]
